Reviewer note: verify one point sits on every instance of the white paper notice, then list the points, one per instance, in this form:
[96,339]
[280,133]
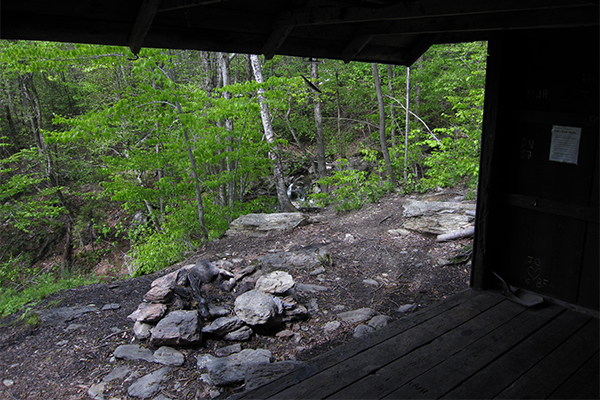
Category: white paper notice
[565,144]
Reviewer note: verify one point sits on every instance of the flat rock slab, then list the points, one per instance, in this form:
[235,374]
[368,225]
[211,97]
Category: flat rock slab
[148,385]
[261,224]
[232,369]
[309,258]
[178,328]
[133,352]
[147,312]
[223,325]
[362,314]
[62,315]
[169,356]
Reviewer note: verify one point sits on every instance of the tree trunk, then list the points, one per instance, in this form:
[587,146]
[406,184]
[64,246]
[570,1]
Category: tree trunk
[199,204]
[382,138]
[339,115]
[321,166]
[391,77]
[284,201]
[406,128]
[225,67]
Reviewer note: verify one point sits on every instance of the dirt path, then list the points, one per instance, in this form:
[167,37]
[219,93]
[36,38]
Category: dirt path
[63,359]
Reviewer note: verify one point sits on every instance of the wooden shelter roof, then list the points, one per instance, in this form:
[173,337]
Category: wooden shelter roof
[386,31]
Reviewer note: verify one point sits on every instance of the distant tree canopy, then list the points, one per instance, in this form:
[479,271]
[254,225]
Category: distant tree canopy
[93,136]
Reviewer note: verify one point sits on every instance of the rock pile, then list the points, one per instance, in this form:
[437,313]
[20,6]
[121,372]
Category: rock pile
[175,313]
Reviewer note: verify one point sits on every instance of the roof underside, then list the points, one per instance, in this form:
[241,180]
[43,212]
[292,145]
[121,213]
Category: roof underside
[387,31]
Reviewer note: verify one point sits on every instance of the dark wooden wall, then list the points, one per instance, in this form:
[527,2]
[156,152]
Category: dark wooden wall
[539,216]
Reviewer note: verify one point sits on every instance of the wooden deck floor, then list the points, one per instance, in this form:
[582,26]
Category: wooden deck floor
[475,345]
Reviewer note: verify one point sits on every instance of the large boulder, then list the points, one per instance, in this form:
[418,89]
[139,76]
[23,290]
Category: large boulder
[232,369]
[255,307]
[261,224]
[178,328]
[437,217]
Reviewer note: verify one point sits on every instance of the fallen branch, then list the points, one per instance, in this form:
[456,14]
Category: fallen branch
[460,233]
[386,218]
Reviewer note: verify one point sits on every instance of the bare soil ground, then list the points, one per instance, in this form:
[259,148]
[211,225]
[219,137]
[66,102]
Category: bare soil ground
[49,361]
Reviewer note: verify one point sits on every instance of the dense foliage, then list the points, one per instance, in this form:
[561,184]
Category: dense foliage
[112,162]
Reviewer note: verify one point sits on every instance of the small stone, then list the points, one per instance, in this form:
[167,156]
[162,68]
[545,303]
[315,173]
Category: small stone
[214,393]
[216,311]
[228,350]
[275,282]
[147,312]
[284,333]
[317,271]
[222,326]
[371,282]
[62,343]
[331,326]
[141,330]
[73,327]
[406,308]
[204,271]
[399,232]
[133,352]
[362,314]
[305,287]
[158,294]
[8,382]
[362,330]
[202,360]
[111,306]
[349,238]
[244,333]
[96,391]
[379,321]
[167,281]
[116,373]
[168,356]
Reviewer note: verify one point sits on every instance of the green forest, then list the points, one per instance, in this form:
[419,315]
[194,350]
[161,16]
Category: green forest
[114,164]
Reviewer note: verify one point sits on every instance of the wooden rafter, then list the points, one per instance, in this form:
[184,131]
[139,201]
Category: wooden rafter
[406,10]
[275,40]
[142,25]
[355,47]
[485,22]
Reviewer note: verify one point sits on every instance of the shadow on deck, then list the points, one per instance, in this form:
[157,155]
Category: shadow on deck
[476,344]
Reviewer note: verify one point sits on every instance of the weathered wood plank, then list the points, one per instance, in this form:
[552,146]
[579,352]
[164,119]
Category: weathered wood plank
[584,384]
[346,351]
[445,376]
[546,376]
[494,378]
[342,374]
[404,369]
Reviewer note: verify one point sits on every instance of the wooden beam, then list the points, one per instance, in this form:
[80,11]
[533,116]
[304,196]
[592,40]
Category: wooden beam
[142,24]
[564,18]
[406,10]
[171,5]
[275,40]
[355,47]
